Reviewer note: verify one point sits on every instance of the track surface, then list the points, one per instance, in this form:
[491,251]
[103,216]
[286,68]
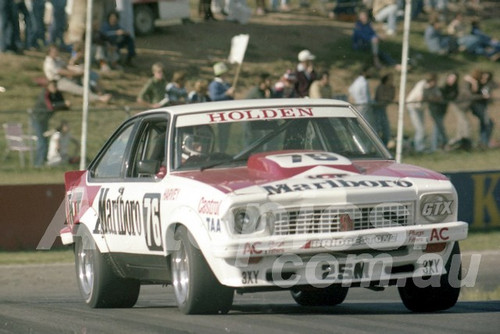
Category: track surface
[45,299]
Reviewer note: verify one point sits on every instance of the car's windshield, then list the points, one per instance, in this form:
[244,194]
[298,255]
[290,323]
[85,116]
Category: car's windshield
[208,145]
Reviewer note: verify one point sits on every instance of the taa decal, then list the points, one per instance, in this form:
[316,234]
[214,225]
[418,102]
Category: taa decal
[439,234]
[213,224]
[249,277]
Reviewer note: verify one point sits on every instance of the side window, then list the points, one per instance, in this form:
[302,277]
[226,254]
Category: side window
[110,164]
[150,150]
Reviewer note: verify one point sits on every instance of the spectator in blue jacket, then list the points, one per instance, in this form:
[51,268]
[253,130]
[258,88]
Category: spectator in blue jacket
[115,35]
[364,38]
[220,90]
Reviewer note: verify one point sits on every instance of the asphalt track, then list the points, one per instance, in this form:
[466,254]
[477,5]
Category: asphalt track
[45,299]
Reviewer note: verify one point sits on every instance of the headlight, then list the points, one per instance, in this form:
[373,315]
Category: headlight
[248,220]
[437,207]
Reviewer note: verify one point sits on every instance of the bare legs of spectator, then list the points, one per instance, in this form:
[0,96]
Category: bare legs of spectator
[66,85]
[389,14]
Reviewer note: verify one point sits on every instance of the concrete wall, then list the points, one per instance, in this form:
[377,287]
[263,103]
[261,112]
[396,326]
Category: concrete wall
[27,210]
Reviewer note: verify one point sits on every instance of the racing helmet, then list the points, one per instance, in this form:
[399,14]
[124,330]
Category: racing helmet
[197,141]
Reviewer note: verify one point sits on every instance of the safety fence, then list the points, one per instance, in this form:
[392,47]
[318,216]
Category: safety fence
[103,121]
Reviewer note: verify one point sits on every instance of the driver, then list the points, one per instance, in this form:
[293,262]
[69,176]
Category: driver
[197,143]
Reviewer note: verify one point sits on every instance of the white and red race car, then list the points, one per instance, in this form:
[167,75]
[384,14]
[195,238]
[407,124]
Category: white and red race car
[259,195]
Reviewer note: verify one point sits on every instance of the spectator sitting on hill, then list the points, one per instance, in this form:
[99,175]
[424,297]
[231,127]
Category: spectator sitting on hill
[491,45]
[69,78]
[364,38]
[199,93]
[436,41]
[465,39]
[118,37]
[59,146]
[175,91]
[152,93]
[386,11]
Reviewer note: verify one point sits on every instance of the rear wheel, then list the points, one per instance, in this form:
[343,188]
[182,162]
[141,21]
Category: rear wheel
[99,285]
[429,298]
[310,296]
[144,20]
[196,288]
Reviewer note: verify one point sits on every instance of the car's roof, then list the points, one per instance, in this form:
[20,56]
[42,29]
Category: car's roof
[244,104]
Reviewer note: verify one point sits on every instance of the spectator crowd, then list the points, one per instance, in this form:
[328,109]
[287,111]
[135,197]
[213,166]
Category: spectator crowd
[375,21]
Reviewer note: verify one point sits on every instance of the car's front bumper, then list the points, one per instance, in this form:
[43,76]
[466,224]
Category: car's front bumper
[355,257]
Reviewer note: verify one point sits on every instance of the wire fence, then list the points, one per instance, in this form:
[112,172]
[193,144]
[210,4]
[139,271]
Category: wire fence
[102,122]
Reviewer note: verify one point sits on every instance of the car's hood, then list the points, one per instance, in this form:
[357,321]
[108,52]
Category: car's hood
[269,171]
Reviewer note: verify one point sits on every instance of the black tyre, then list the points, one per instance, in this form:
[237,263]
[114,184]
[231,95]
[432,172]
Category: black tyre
[431,299]
[196,288]
[144,20]
[328,296]
[99,285]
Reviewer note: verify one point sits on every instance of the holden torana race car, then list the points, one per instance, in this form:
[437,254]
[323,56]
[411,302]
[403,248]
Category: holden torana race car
[259,195]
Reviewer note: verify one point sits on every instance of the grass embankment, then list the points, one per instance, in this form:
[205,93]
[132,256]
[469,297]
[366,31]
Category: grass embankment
[275,40]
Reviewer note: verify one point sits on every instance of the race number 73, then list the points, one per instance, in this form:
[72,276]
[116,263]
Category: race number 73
[152,221]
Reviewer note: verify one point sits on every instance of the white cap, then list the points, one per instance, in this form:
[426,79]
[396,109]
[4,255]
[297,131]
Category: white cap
[306,55]
[219,68]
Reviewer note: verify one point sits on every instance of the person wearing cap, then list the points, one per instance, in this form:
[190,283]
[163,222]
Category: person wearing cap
[305,73]
[220,90]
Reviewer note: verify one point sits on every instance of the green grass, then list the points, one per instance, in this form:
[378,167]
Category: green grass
[36,257]
[481,241]
[477,293]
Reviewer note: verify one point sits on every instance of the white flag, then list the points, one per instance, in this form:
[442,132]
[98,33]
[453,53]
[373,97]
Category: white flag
[238,48]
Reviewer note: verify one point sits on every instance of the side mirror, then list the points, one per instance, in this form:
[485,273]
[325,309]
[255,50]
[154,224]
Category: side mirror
[147,168]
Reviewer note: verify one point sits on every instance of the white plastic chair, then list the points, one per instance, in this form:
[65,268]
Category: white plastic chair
[16,140]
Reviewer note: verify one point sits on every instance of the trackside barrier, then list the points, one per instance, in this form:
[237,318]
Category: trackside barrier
[478,198]
[27,210]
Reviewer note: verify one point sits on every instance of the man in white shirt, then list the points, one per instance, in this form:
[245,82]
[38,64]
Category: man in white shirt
[359,92]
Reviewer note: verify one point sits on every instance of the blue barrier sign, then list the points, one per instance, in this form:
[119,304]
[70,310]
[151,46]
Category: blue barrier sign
[478,197]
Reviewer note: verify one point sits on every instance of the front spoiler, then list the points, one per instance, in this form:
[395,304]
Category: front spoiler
[418,236]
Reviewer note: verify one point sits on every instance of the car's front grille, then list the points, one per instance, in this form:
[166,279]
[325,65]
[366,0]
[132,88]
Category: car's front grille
[338,219]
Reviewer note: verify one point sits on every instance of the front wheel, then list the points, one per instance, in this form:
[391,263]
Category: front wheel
[196,288]
[435,298]
[310,296]
[99,286]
